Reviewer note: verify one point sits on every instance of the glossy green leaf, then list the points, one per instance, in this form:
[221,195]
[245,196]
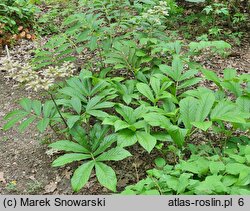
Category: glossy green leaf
[106,176]
[146,140]
[81,175]
[76,104]
[43,124]
[146,91]
[69,158]
[26,123]
[114,154]
[68,146]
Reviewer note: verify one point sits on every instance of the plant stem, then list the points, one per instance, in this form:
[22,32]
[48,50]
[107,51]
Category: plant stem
[60,114]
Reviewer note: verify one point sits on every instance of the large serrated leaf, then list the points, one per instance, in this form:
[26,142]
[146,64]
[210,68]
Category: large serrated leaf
[210,75]
[76,104]
[47,108]
[202,125]
[43,124]
[244,103]
[126,138]
[177,67]
[114,154]
[26,104]
[106,176]
[204,106]
[68,146]
[146,140]
[13,121]
[119,125]
[37,107]
[81,175]
[188,108]
[146,91]
[72,120]
[26,123]
[106,143]
[69,158]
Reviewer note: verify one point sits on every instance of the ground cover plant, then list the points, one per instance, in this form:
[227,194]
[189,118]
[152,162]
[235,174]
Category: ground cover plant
[140,88]
[16,20]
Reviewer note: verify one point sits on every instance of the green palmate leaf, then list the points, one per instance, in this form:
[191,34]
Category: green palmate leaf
[126,138]
[188,74]
[167,70]
[103,105]
[15,113]
[106,176]
[114,154]
[236,168]
[229,180]
[202,125]
[92,102]
[127,113]
[43,124]
[188,108]
[239,191]
[183,182]
[233,87]
[203,188]
[162,136]
[244,103]
[247,150]
[227,111]
[119,125]
[235,117]
[106,143]
[76,104]
[210,75]
[69,158]
[238,158]
[37,107]
[47,108]
[229,74]
[14,120]
[146,91]
[26,123]
[79,135]
[156,85]
[127,98]
[146,140]
[97,113]
[177,67]
[215,182]
[26,104]
[178,135]
[156,119]
[244,178]
[204,106]
[140,111]
[68,146]
[160,162]
[189,82]
[83,36]
[81,175]
[216,166]
[72,120]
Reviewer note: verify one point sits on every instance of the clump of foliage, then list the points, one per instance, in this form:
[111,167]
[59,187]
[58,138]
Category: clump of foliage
[208,175]
[143,88]
[218,19]
[16,15]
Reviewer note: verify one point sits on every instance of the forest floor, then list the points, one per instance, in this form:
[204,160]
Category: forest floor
[25,164]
